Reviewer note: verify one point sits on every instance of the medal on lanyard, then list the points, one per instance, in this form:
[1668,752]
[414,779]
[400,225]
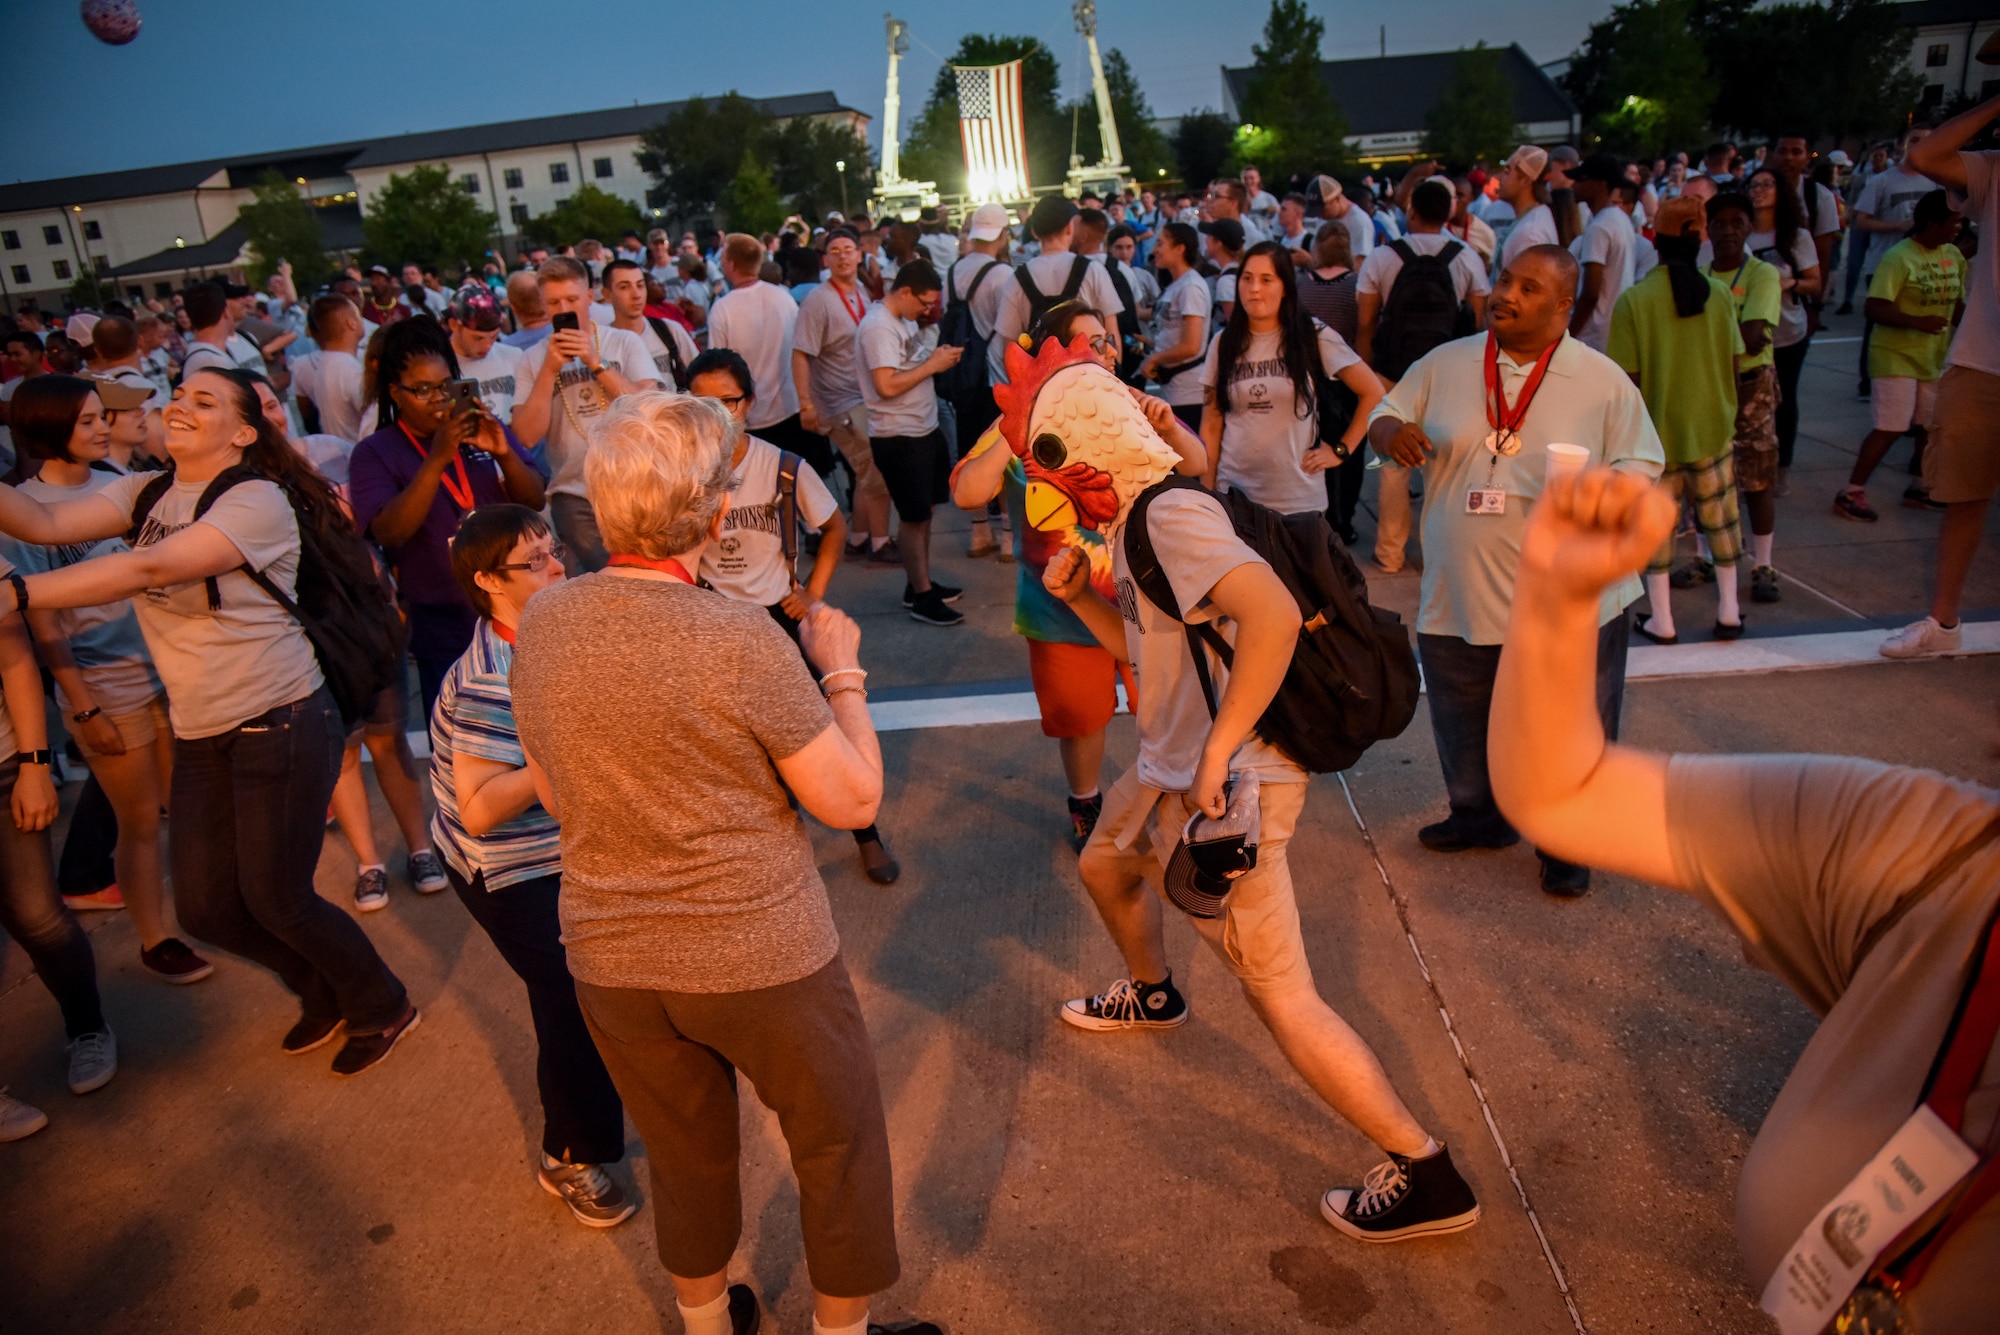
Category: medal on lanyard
[461,490]
[1503,439]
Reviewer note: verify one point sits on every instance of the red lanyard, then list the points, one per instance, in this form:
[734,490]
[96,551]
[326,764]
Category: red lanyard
[1498,415]
[858,309]
[461,491]
[666,567]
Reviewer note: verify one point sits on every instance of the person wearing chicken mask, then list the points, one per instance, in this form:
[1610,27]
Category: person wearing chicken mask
[1089,453]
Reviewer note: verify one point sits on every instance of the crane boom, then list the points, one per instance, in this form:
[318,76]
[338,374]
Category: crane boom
[892,101]
[1107,124]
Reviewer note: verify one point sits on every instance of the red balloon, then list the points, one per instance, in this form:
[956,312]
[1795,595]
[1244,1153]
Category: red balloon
[115,22]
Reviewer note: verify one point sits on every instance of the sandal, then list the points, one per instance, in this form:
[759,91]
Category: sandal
[1724,631]
[1640,627]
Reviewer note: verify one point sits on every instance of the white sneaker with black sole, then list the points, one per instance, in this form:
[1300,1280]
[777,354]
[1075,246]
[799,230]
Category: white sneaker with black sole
[1403,1198]
[1126,1005]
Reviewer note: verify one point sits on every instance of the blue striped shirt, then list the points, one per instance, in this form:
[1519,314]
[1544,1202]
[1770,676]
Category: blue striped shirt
[475,716]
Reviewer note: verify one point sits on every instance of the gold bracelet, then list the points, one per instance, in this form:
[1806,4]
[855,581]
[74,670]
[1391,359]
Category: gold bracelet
[861,691]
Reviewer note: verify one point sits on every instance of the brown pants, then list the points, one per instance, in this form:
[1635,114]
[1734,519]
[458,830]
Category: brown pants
[674,1057]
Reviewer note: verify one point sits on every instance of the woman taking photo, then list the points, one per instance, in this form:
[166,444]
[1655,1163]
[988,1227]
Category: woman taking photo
[1273,355]
[109,694]
[1779,235]
[502,855]
[1182,323]
[256,733]
[665,726]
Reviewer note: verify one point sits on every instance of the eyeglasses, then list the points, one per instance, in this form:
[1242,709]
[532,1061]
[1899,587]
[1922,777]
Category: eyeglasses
[538,562]
[730,401]
[1102,344]
[436,391]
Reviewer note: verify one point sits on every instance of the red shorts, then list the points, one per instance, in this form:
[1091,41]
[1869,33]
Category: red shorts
[1076,686]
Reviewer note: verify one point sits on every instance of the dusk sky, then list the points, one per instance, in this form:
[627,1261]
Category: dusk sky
[212,78]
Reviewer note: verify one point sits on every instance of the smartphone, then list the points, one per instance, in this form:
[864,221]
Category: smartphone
[563,320]
[464,395]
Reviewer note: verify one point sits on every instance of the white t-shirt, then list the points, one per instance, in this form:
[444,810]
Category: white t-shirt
[1196,546]
[1360,232]
[248,656]
[1607,242]
[1977,343]
[757,321]
[663,365]
[1264,437]
[207,357]
[578,400]
[1223,286]
[246,354]
[1468,271]
[1536,227]
[1820,206]
[748,561]
[499,377]
[985,301]
[332,380]
[829,320]
[1050,275]
[897,345]
[940,248]
[1890,196]
[1187,297]
[1645,255]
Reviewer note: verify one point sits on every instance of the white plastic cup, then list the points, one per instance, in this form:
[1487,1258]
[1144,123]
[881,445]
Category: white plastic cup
[1564,460]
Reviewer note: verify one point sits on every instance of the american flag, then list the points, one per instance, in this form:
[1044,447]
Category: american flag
[989,125]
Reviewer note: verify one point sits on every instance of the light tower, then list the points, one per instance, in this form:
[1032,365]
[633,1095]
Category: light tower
[1109,175]
[895,197]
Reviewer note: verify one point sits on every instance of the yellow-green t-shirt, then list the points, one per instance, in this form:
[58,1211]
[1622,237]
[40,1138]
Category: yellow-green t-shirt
[1919,282]
[1755,288]
[1686,367]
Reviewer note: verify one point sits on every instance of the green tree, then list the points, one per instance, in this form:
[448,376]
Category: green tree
[1474,121]
[1146,149]
[1201,147]
[932,150]
[1643,78]
[751,202]
[280,224]
[805,156]
[423,215]
[695,153]
[589,212]
[1827,71]
[1290,120]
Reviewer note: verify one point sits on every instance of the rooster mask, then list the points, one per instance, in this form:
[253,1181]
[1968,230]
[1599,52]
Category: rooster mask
[1085,447]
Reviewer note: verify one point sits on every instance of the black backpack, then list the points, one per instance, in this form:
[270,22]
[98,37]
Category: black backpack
[1129,356]
[957,329]
[1421,311]
[1352,680]
[675,366]
[1039,302]
[342,604]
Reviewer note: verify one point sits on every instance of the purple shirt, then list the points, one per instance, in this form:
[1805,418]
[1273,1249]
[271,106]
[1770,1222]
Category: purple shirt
[385,463]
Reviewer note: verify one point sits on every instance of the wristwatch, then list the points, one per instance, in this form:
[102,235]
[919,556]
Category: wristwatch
[41,757]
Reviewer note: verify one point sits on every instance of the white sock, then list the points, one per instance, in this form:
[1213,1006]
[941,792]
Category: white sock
[878,543]
[857,540]
[1760,548]
[1430,1147]
[710,1318]
[1660,593]
[1084,797]
[372,866]
[1730,612]
[858,1328]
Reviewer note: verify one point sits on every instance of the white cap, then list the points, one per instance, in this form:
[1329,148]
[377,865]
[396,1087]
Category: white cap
[81,327]
[1839,158]
[988,221]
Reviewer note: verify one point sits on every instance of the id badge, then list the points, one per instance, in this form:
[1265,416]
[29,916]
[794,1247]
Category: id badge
[1922,1161]
[1486,501]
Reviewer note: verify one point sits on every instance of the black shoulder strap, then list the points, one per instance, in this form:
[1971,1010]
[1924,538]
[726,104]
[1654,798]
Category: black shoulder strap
[223,481]
[1079,269]
[675,366]
[979,278]
[1403,251]
[1143,564]
[1450,252]
[142,505]
[1027,282]
[788,511]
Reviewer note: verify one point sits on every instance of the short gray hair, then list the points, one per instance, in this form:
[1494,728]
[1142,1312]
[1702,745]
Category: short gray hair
[658,472]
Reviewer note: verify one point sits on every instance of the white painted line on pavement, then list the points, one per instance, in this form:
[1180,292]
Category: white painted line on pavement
[1844,338]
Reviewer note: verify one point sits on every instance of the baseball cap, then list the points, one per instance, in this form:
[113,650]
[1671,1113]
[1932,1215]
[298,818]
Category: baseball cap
[1213,853]
[1563,155]
[476,307]
[120,395]
[1530,160]
[1600,167]
[1839,158]
[1052,213]
[1323,190]
[383,269]
[988,221]
[1226,230]
[80,328]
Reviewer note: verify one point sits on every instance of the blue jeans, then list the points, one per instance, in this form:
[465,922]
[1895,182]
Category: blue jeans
[1458,678]
[32,913]
[248,816]
[583,1120]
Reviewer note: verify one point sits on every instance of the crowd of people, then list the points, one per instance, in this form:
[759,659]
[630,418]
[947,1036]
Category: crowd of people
[615,487]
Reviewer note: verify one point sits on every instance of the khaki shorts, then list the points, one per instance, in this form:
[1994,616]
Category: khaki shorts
[1962,457]
[849,434]
[138,728]
[1258,934]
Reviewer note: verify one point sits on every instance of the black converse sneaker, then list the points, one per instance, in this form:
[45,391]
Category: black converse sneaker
[1404,1198]
[1129,1005]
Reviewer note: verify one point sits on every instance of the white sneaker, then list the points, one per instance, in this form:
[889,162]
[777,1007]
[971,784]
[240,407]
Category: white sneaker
[1923,639]
[93,1060]
[17,1120]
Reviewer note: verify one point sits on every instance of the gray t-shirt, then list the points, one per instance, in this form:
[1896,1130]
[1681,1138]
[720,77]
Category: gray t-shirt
[224,665]
[580,400]
[888,342]
[1197,546]
[1050,275]
[1804,855]
[828,321]
[657,710]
